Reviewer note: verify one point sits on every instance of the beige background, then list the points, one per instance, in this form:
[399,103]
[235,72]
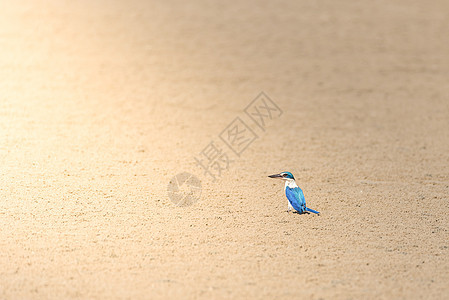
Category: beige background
[103,102]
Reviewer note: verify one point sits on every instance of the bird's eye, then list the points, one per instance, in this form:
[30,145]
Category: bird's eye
[284,175]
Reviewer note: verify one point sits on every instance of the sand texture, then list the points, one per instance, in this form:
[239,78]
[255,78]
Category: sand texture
[103,102]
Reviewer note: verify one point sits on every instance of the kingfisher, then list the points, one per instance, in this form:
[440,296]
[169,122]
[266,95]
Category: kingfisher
[294,193]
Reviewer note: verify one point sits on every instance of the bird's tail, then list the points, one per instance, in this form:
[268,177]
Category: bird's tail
[312,211]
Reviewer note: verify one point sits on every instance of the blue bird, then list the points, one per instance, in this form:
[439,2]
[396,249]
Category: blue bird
[294,194]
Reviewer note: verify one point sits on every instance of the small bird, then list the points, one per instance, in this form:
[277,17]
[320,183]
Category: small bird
[294,194]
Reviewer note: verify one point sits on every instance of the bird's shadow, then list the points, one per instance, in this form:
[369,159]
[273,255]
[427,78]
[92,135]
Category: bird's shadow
[303,213]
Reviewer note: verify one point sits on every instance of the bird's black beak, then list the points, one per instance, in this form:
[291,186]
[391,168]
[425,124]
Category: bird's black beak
[275,176]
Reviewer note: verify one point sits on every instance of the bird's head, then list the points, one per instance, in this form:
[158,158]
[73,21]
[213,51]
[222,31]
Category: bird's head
[283,176]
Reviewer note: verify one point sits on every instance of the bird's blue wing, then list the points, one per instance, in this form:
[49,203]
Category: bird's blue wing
[296,198]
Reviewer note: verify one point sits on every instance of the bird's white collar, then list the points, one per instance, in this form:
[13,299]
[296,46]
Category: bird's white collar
[291,183]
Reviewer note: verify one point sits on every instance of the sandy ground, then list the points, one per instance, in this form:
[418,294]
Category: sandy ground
[103,102]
